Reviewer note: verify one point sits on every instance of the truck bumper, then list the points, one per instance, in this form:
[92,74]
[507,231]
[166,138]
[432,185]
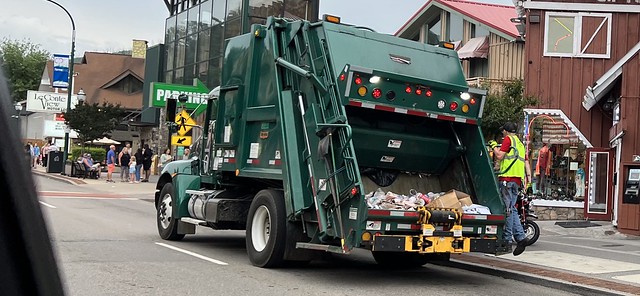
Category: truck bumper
[421,244]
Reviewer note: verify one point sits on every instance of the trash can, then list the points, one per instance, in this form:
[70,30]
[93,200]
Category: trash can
[55,162]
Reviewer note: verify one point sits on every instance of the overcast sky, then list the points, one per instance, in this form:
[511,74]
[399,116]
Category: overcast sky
[111,25]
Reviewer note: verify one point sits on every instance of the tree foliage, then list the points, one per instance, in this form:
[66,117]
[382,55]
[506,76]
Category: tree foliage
[506,106]
[94,121]
[23,63]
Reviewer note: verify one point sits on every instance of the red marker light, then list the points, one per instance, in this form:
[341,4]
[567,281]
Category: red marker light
[408,89]
[358,80]
[453,106]
[472,101]
[354,190]
[418,91]
[341,77]
[377,93]
[428,93]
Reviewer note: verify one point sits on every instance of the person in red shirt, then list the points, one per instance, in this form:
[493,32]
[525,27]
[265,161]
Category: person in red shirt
[542,166]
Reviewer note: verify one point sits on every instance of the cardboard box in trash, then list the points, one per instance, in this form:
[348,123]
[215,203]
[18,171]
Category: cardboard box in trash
[451,199]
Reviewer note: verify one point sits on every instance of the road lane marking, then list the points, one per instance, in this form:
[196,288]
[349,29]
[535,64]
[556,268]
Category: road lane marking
[92,198]
[633,278]
[192,254]
[78,194]
[47,205]
[571,262]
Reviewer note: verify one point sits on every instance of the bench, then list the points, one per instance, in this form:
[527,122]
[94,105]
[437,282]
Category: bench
[79,170]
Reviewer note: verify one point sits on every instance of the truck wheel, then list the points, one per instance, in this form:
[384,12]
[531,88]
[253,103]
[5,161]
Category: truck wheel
[167,224]
[400,260]
[266,229]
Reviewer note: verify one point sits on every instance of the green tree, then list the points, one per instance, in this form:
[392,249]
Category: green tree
[94,121]
[506,106]
[23,63]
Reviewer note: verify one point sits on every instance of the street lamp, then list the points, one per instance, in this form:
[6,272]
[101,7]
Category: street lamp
[18,108]
[70,88]
[81,96]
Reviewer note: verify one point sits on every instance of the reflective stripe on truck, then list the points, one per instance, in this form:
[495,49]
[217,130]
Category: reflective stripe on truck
[387,108]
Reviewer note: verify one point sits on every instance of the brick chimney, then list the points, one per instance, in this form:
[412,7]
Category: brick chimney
[139,49]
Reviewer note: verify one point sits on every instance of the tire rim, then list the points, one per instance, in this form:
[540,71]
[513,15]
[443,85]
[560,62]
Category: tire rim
[260,228]
[530,231]
[165,210]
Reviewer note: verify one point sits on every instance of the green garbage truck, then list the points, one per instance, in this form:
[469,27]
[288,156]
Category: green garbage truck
[315,119]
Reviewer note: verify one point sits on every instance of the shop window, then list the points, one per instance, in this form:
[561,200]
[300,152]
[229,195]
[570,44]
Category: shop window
[170,55]
[180,52]
[233,28]
[181,26]
[478,68]
[204,43]
[205,15]
[455,27]
[192,20]
[478,31]
[265,8]
[170,30]
[578,35]
[219,11]
[434,31]
[298,9]
[234,9]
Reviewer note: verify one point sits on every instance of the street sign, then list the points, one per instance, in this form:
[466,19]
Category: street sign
[185,123]
[181,140]
[49,102]
[197,94]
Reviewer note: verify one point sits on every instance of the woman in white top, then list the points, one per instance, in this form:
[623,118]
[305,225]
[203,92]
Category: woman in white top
[164,159]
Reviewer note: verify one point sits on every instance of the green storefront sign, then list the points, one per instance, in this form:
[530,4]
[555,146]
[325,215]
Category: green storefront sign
[197,94]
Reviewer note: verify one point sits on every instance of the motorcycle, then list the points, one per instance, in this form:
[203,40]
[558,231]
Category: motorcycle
[527,216]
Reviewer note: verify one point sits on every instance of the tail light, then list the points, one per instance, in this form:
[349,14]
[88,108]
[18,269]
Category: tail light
[428,93]
[354,191]
[362,91]
[358,80]
[465,108]
[453,106]
[472,101]
[408,89]
[376,93]
[418,91]
[391,95]
[342,77]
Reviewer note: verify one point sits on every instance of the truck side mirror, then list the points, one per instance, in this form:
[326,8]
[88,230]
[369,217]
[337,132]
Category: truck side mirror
[172,105]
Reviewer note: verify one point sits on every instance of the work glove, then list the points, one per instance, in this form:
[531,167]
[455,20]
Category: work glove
[492,144]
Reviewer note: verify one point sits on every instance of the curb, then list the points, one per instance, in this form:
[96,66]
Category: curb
[534,274]
[58,177]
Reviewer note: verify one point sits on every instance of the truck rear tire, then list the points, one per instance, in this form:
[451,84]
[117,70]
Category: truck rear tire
[167,224]
[400,259]
[266,229]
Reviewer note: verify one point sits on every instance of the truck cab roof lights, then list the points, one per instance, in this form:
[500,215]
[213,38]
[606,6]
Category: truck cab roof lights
[331,18]
[465,96]
[374,79]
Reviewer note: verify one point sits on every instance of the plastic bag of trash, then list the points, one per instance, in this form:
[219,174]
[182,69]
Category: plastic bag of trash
[476,209]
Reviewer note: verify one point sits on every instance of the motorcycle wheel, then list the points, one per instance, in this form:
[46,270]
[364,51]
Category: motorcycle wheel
[532,231]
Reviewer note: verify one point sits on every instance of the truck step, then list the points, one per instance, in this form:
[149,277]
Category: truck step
[194,221]
[199,192]
[319,247]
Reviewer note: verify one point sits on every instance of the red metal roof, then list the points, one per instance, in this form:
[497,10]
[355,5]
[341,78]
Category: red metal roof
[495,16]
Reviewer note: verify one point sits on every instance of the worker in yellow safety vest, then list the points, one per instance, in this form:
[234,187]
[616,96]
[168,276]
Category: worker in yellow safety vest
[515,173]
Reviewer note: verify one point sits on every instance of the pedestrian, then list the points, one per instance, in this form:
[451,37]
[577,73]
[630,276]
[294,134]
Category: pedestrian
[187,153]
[123,160]
[542,167]
[138,156]
[147,154]
[28,153]
[36,154]
[90,165]
[111,163]
[132,170]
[165,158]
[45,154]
[515,173]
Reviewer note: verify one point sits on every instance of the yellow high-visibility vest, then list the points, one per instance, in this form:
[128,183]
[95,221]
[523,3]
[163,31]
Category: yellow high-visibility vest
[515,153]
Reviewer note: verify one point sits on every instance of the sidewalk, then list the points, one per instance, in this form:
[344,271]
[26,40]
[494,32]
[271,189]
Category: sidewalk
[589,261]
[146,189]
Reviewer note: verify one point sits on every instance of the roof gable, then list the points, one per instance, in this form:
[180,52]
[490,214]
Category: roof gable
[120,77]
[496,17]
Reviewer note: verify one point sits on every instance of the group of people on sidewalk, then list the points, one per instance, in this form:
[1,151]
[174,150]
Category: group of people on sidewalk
[132,164]
[36,155]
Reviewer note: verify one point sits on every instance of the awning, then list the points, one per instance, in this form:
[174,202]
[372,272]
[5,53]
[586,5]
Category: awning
[557,127]
[603,85]
[475,48]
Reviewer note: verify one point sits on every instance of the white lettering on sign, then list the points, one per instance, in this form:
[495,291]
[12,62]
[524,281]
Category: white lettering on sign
[193,97]
[40,101]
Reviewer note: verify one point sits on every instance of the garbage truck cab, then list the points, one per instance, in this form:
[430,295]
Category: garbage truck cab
[328,137]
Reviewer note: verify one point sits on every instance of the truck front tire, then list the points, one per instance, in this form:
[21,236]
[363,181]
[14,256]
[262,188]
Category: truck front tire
[165,213]
[266,229]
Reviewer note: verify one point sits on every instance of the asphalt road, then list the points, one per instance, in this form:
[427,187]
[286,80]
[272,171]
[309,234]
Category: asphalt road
[110,246]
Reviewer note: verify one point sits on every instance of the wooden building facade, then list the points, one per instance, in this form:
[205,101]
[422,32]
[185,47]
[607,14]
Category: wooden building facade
[582,59]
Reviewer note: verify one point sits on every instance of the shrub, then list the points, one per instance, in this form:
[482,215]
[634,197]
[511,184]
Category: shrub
[98,154]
